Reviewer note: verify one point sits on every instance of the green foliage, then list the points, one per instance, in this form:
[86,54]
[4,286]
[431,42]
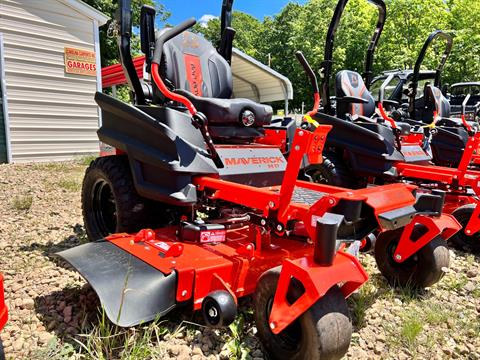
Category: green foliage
[107,341]
[409,22]
[409,331]
[236,344]
[55,350]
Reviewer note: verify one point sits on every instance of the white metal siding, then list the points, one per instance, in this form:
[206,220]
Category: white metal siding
[52,114]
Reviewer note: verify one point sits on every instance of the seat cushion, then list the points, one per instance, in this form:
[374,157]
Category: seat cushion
[405,128]
[229,111]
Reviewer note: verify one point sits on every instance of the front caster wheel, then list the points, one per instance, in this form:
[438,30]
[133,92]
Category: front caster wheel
[219,309]
[421,270]
[461,240]
[323,332]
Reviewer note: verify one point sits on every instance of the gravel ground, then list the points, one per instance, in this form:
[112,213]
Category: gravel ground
[54,314]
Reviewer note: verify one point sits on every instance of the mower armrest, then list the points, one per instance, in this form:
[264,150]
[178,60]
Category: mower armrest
[392,103]
[352,100]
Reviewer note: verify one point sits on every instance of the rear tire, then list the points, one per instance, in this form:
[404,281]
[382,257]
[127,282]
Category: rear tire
[421,270]
[461,240]
[110,202]
[333,171]
[323,332]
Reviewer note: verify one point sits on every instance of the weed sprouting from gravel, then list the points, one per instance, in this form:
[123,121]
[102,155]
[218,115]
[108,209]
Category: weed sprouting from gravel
[412,327]
[455,283]
[236,344]
[86,160]
[55,350]
[107,341]
[360,302]
[70,184]
[22,202]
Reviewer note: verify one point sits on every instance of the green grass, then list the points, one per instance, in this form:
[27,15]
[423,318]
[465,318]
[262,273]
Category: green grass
[435,314]
[476,294]
[72,185]
[86,160]
[58,167]
[411,327]
[361,302]
[55,350]
[22,202]
[107,341]
[455,283]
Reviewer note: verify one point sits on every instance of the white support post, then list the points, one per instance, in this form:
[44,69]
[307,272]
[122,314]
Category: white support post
[96,35]
[3,85]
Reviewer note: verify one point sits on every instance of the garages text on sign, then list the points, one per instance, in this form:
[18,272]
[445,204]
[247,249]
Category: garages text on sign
[80,62]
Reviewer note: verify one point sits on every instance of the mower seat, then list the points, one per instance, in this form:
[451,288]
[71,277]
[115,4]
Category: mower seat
[454,122]
[442,106]
[225,114]
[405,129]
[192,67]
[350,84]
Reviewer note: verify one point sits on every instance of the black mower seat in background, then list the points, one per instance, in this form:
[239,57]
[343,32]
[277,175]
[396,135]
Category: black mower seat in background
[443,108]
[405,129]
[350,83]
[194,68]
[436,101]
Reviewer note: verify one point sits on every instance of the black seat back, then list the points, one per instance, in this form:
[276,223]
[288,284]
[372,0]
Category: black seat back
[193,68]
[191,63]
[350,83]
[435,101]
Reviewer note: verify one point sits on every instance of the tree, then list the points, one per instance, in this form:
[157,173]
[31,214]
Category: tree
[465,59]
[304,27]
[108,42]
[247,34]
[408,25]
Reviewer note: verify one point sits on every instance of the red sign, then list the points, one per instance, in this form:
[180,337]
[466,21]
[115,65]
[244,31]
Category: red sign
[80,62]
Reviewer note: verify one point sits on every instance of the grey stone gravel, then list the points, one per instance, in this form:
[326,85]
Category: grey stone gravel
[49,301]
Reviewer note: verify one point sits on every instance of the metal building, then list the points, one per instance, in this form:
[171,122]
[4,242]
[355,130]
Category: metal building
[49,72]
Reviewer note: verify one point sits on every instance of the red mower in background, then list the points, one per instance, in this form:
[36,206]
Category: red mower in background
[421,104]
[3,315]
[194,212]
[361,151]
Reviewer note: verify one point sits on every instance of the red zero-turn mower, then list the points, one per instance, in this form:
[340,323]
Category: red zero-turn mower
[3,315]
[427,108]
[361,152]
[230,217]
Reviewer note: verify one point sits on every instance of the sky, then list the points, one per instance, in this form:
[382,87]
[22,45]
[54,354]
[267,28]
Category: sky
[203,9]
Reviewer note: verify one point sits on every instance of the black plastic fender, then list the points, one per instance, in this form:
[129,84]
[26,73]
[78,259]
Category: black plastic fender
[369,152]
[131,291]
